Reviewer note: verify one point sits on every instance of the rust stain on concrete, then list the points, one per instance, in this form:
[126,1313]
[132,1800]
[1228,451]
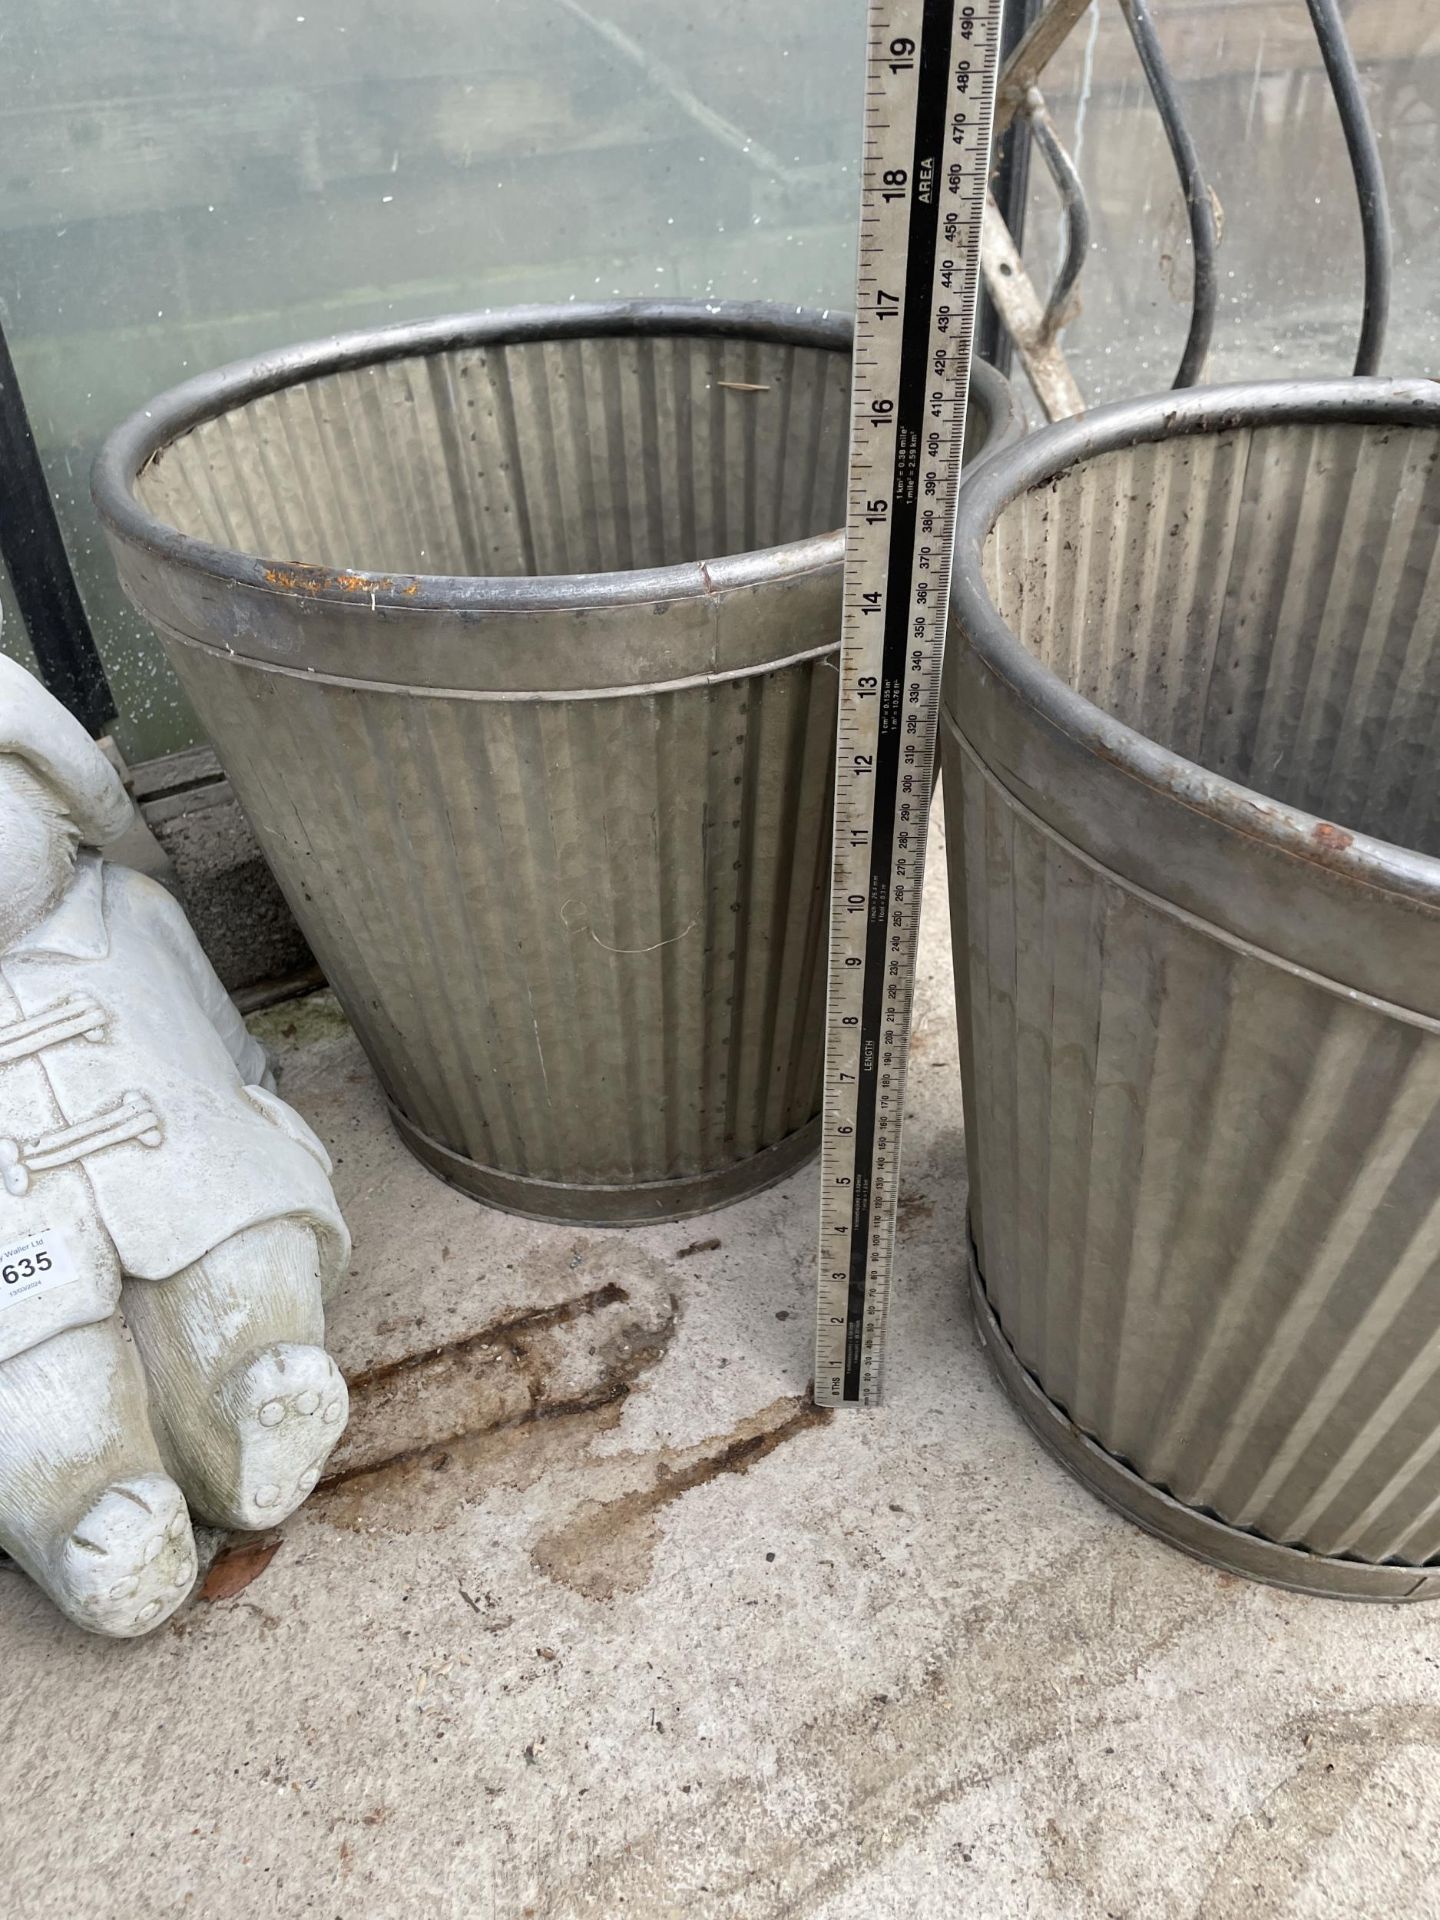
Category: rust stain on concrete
[431,1429]
[507,1332]
[608,1546]
[912,1209]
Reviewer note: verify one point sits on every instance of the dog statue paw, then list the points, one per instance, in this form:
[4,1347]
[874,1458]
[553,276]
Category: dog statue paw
[168,1234]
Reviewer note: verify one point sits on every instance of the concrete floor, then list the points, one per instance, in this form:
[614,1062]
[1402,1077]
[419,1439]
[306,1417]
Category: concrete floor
[600,1617]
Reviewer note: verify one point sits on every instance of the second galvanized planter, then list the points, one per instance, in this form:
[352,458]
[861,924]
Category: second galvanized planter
[1190,769]
[516,635]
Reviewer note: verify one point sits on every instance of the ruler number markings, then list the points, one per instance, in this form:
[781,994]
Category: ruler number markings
[932,75]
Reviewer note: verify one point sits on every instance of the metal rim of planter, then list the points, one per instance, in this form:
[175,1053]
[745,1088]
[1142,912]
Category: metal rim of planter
[1362,859]
[147,432]
[1043,457]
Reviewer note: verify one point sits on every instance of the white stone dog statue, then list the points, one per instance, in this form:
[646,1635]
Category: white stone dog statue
[167,1228]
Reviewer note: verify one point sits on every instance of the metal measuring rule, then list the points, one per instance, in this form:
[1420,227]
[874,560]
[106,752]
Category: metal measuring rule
[929,108]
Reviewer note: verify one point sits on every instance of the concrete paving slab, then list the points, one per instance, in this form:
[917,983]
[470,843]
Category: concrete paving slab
[597,1615]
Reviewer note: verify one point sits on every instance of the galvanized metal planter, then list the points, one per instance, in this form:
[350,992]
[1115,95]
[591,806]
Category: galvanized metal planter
[531,703]
[1190,767]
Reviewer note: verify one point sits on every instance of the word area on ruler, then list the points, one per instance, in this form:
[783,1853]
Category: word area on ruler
[929,109]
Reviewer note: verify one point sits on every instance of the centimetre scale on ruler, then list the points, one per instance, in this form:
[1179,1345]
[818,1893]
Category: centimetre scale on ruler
[929,109]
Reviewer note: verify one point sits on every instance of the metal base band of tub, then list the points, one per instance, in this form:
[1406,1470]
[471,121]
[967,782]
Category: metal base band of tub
[1192,1531]
[568,1204]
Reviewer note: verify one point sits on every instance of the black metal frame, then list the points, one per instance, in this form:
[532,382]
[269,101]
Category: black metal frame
[33,549]
[1031,123]
[1364,151]
[1204,233]
[1074,210]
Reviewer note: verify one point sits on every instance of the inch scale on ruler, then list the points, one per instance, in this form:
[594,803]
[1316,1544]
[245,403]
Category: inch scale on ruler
[929,106]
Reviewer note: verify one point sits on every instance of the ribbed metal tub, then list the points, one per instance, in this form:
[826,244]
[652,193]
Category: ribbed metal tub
[532,708]
[1190,755]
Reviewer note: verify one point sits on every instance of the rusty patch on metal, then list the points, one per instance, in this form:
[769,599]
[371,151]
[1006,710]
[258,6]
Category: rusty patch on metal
[303,579]
[1268,823]
[1332,838]
[608,1546]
